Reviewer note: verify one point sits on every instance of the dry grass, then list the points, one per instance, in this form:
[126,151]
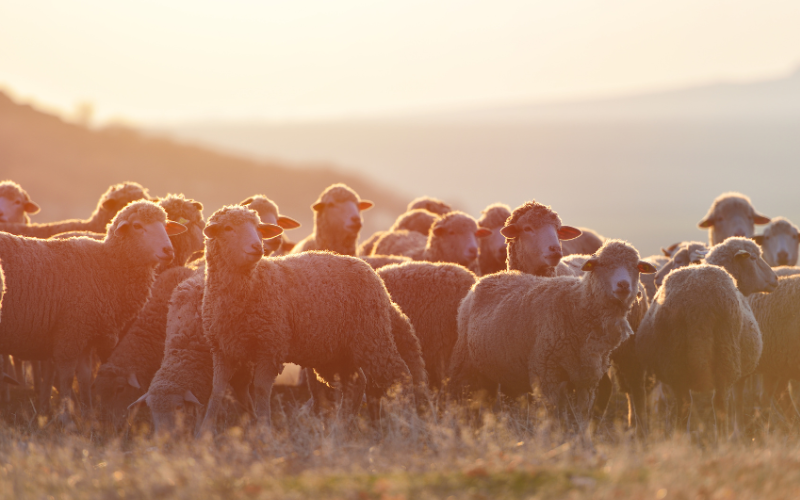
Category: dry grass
[513,454]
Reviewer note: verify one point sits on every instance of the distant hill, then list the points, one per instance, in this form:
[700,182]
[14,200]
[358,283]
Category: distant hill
[66,167]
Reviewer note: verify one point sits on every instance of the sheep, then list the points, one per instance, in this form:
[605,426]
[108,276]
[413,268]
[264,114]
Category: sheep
[700,333]
[516,328]
[731,214]
[687,253]
[112,201]
[587,243]
[318,309]
[68,296]
[787,271]
[492,254]
[779,242]
[15,204]
[779,321]
[337,221]
[430,294]
[269,214]
[430,204]
[418,220]
[452,238]
[378,261]
[649,280]
[534,233]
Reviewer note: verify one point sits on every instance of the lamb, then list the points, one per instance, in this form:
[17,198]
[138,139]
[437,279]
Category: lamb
[492,254]
[430,204]
[269,214]
[418,220]
[15,204]
[112,201]
[452,238]
[515,329]
[779,242]
[337,221]
[587,243]
[700,333]
[137,356]
[430,294]
[731,214]
[68,296]
[260,310]
[534,233]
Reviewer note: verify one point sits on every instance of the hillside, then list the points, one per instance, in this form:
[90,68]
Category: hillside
[66,167]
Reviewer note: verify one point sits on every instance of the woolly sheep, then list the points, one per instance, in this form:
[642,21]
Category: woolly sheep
[452,238]
[649,280]
[731,214]
[269,214]
[786,271]
[378,261]
[326,311]
[587,243]
[492,255]
[430,294]
[700,333]
[430,204]
[15,204]
[779,242]
[66,296]
[515,329]
[337,221]
[418,220]
[534,233]
[112,201]
[687,253]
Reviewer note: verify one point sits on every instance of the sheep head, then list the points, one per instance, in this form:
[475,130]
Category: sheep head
[15,204]
[234,235]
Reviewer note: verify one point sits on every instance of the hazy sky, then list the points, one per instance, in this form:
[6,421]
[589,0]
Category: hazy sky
[155,60]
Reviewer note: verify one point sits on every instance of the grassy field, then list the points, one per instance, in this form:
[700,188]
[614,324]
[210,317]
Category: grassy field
[514,453]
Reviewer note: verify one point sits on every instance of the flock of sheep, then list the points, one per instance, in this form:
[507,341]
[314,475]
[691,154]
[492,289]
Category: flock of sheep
[147,303]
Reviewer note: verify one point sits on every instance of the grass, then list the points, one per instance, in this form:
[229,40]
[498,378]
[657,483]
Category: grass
[515,453]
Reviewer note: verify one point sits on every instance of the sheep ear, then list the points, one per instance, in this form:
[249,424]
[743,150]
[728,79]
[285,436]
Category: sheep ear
[31,207]
[112,205]
[646,267]
[212,230]
[317,207]
[511,231]
[482,232]
[269,231]
[589,266]
[706,223]
[742,254]
[668,251]
[174,229]
[438,231]
[760,219]
[246,202]
[759,239]
[133,381]
[567,233]
[287,222]
[189,398]
[122,228]
[8,379]
[142,399]
[197,205]
[365,205]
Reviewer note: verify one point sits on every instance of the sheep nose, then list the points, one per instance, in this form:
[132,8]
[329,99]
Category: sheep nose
[783,258]
[168,251]
[472,252]
[257,247]
[739,234]
[623,285]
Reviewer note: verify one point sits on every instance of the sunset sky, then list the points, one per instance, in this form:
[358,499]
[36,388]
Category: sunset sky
[155,61]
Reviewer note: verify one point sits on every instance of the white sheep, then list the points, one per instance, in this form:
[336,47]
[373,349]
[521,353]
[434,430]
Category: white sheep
[587,243]
[321,310]
[731,214]
[492,255]
[67,296]
[518,329]
[15,204]
[779,242]
[430,204]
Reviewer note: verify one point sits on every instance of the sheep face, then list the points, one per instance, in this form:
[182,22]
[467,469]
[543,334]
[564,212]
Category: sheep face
[172,411]
[741,257]
[341,216]
[731,215]
[779,243]
[240,241]
[494,245]
[150,239]
[614,272]
[684,256]
[15,204]
[455,239]
[115,390]
[537,246]
[268,213]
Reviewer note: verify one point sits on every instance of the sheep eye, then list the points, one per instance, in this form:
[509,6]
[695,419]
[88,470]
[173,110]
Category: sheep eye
[528,228]
[136,225]
[18,202]
[228,228]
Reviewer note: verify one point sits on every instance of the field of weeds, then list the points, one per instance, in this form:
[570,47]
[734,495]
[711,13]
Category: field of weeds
[514,453]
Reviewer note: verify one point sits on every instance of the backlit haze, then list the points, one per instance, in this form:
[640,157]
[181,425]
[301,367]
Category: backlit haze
[627,116]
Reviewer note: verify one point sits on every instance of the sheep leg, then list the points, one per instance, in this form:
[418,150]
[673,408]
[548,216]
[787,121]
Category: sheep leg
[721,412]
[740,420]
[48,371]
[84,375]
[222,375]
[66,373]
[263,379]
[5,394]
[374,395]
[604,390]
[240,383]
[684,410]
[19,370]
